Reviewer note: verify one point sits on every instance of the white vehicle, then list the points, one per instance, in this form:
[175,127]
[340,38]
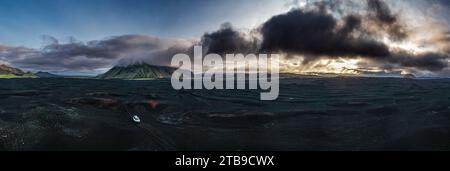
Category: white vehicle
[136,119]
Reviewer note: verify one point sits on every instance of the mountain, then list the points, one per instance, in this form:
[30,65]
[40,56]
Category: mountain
[138,72]
[6,70]
[10,72]
[41,74]
[409,76]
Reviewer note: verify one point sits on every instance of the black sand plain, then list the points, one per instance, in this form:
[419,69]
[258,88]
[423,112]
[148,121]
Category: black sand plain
[310,114]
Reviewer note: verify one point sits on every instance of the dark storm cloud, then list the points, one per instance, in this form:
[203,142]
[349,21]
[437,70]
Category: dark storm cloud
[317,33]
[428,61]
[227,40]
[381,14]
[381,11]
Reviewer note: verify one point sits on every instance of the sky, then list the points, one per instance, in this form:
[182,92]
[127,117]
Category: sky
[88,37]
[24,22]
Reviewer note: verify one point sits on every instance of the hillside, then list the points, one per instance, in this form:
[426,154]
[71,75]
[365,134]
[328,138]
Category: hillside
[10,72]
[6,70]
[137,72]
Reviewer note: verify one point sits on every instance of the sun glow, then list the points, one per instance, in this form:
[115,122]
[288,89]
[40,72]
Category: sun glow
[408,46]
[329,66]
[346,66]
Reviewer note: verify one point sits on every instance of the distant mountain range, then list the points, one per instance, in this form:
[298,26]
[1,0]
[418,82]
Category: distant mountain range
[41,74]
[140,71]
[361,74]
[10,72]
[143,71]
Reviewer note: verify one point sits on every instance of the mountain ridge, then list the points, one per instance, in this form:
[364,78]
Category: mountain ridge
[141,71]
[5,69]
[11,72]
[42,74]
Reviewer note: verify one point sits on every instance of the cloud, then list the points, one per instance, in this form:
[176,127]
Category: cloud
[429,61]
[161,56]
[228,40]
[381,11]
[370,30]
[318,33]
[384,19]
[112,48]
[92,55]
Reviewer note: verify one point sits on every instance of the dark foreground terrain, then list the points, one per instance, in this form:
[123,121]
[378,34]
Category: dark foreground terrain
[311,114]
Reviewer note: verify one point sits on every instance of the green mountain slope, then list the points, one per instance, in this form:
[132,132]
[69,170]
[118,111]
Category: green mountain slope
[10,72]
[138,72]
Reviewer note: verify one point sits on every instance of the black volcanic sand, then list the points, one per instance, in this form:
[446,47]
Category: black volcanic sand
[311,114]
